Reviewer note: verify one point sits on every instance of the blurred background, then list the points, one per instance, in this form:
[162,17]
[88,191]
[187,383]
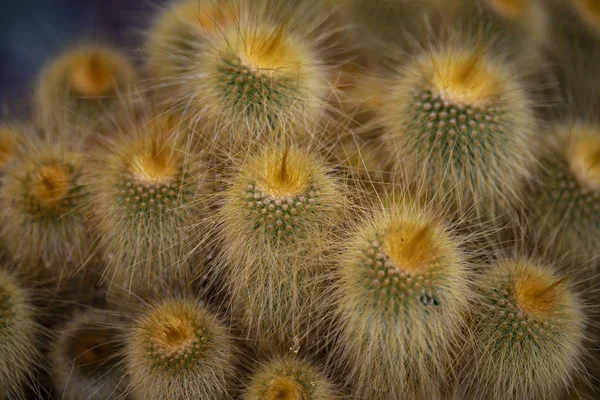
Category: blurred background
[32,31]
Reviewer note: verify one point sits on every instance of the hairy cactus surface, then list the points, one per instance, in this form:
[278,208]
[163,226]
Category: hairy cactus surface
[179,350]
[401,296]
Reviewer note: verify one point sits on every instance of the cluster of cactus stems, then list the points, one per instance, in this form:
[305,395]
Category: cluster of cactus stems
[310,200]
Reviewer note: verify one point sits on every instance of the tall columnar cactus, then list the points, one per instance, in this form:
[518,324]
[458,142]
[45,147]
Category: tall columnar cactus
[527,336]
[178,350]
[565,203]
[81,86]
[401,295]
[146,190]
[277,229]
[460,120]
[242,69]
[85,357]
[43,207]
[18,338]
[289,379]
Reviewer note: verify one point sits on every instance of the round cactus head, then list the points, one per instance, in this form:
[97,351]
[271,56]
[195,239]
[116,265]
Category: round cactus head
[8,145]
[583,156]
[566,198]
[403,279]
[147,205]
[179,350]
[289,379]
[529,323]
[462,122]
[80,86]
[286,193]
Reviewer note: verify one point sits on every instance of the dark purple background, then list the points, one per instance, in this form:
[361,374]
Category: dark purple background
[32,31]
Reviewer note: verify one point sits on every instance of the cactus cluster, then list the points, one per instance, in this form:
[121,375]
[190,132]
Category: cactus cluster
[309,200]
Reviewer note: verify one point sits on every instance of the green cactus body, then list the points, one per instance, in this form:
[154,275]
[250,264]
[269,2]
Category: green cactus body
[44,209]
[289,379]
[179,350]
[528,322]
[402,294]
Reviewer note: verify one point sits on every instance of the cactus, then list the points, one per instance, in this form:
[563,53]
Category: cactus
[289,379]
[10,138]
[18,336]
[460,120]
[277,226]
[247,72]
[43,207]
[85,357]
[589,12]
[528,329]
[179,32]
[566,198]
[80,87]
[145,190]
[401,295]
[178,350]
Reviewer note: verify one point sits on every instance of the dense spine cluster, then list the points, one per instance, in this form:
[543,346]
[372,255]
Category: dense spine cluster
[527,322]
[402,292]
[179,350]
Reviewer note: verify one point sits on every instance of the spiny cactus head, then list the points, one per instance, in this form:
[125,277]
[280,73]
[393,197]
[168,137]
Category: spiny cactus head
[583,156]
[176,335]
[511,8]
[51,184]
[565,198]
[288,190]
[264,66]
[8,145]
[289,379]
[92,74]
[150,170]
[463,77]
[178,349]
[406,255]
[85,356]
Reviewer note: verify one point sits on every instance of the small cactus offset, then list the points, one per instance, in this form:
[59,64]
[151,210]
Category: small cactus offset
[308,200]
